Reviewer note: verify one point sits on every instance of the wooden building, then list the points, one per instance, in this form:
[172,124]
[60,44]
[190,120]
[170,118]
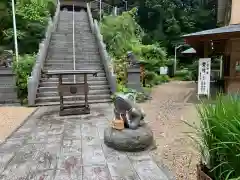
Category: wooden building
[223,41]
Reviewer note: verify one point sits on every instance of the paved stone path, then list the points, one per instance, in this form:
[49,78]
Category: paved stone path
[11,117]
[49,147]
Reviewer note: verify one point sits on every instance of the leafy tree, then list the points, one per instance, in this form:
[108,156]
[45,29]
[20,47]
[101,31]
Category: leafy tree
[32,17]
[165,21]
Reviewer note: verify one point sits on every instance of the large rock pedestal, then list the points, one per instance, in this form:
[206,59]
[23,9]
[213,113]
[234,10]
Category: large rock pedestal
[128,139]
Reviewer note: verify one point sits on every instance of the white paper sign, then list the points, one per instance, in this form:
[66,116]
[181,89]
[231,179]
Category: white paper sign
[163,70]
[204,76]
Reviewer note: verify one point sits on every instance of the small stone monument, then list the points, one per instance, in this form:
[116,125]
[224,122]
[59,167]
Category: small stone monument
[133,73]
[128,131]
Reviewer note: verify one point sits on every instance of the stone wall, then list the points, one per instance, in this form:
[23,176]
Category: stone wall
[105,58]
[33,80]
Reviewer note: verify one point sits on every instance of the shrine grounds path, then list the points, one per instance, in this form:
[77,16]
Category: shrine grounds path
[50,147]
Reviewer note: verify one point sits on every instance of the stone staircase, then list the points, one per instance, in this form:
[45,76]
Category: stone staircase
[60,57]
[8,92]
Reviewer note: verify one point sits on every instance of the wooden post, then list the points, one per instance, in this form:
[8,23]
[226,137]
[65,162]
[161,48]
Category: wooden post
[60,93]
[206,52]
[86,90]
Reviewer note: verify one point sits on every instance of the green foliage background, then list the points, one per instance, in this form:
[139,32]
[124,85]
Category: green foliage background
[126,35]
[32,17]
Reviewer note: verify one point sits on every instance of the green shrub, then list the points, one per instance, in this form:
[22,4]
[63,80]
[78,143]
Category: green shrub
[22,70]
[153,56]
[161,79]
[150,78]
[122,34]
[184,75]
[218,136]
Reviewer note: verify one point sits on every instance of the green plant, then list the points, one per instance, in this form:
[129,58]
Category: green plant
[153,56]
[32,17]
[161,79]
[218,136]
[184,75]
[150,78]
[22,70]
[122,34]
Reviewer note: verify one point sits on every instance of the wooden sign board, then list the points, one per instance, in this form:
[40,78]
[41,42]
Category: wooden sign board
[72,89]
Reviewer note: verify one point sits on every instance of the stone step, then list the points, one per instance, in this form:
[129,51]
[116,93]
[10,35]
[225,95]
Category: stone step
[8,96]
[65,77]
[108,100]
[70,61]
[12,104]
[78,66]
[55,84]
[99,70]
[87,56]
[78,79]
[54,88]
[69,45]
[72,98]
[69,28]
[81,50]
[81,39]
[55,93]
[77,23]
[9,89]
[67,35]
[9,102]
[79,32]
[6,72]
[7,81]
[58,53]
[78,60]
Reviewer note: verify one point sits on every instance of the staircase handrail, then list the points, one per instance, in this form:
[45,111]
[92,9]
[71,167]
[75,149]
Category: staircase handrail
[105,58]
[34,78]
[103,6]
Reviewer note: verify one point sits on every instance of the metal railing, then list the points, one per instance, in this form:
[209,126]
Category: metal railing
[74,53]
[102,8]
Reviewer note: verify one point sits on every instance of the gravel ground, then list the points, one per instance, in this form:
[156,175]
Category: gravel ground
[165,114]
[11,118]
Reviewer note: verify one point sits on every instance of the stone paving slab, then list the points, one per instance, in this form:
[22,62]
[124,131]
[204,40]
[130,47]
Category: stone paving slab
[11,118]
[50,147]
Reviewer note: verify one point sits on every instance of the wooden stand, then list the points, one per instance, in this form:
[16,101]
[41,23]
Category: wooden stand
[69,89]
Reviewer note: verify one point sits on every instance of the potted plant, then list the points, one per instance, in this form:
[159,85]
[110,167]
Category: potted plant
[218,139]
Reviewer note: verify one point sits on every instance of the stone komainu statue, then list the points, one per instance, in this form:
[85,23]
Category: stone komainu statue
[129,133]
[128,111]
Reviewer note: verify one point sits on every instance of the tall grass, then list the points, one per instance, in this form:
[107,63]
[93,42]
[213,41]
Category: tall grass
[219,136]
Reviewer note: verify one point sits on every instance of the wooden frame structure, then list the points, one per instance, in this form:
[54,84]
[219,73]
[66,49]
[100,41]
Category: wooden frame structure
[223,41]
[70,89]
